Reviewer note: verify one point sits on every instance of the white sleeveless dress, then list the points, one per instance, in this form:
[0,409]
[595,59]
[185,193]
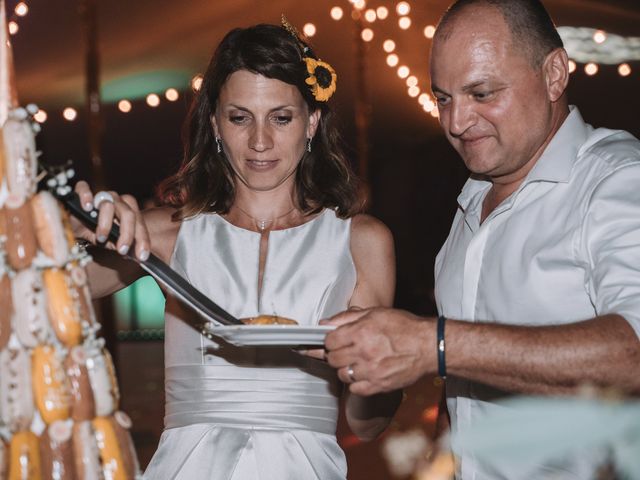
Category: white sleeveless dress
[254,413]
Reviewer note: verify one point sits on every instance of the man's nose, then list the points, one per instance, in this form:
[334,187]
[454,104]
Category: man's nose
[461,117]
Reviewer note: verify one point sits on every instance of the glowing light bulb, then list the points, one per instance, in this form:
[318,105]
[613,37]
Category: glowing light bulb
[370,15]
[196,82]
[336,13]
[591,69]
[153,100]
[403,8]
[435,113]
[429,31]
[40,116]
[389,46]
[392,60]
[171,94]
[572,66]
[21,9]
[359,4]
[309,29]
[404,23]
[124,106]
[367,34]
[382,12]
[412,81]
[423,98]
[403,71]
[13,27]
[624,70]
[69,114]
[599,36]
[414,91]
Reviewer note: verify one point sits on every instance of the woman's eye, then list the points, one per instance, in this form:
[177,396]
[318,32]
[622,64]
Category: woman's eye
[282,119]
[238,119]
[442,101]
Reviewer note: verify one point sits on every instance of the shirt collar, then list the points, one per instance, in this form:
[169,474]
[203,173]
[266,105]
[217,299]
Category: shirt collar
[555,163]
[557,160]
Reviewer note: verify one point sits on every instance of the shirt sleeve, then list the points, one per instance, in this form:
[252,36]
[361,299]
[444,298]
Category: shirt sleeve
[611,239]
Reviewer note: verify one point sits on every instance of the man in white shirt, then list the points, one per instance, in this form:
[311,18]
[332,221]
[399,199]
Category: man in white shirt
[538,283]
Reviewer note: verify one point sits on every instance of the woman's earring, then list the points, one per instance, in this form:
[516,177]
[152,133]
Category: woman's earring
[218,145]
[309,144]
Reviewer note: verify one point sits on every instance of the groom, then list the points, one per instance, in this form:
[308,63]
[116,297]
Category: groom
[538,283]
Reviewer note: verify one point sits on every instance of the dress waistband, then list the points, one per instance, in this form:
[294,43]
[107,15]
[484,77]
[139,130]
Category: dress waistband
[250,397]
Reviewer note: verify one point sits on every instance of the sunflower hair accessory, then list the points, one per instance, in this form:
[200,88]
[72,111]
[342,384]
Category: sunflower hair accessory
[321,77]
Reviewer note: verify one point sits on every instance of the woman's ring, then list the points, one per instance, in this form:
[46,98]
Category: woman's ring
[350,374]
[100,197]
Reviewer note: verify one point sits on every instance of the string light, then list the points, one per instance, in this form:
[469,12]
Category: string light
[359,4]
[599,36]
[389,46]
[196,83]
[13,27]
[403,71]
[21,9]
[309,29]
[370,15]
[153,100]
[171,94]
[40,116]
[382,12]
[624,70]
[429,31]
[69,114]
[124,106]
[591,68]
[403,8]
[404,22]
[336,13]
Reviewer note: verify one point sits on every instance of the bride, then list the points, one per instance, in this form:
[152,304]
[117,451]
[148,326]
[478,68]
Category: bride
[263,218]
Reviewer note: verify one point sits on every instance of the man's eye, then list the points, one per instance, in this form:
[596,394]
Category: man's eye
[482,96]
[442,101]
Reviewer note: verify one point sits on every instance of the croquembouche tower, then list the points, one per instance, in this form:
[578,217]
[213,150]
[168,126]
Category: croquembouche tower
[59,397]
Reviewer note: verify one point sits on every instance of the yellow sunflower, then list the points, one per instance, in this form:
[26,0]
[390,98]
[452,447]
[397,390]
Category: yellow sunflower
[322,79]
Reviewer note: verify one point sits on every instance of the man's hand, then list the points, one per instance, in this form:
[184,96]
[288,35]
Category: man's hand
[381,349]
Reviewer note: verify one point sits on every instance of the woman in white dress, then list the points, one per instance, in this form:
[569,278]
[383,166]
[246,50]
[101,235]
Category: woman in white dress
[263,218]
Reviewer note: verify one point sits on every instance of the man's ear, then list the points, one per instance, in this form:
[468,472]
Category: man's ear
[556,72]
[214,125]
[314,121]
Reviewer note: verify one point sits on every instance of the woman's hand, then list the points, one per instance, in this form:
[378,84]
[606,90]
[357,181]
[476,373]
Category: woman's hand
[124,211]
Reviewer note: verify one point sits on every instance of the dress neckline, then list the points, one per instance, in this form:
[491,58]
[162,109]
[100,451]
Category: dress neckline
[301,226]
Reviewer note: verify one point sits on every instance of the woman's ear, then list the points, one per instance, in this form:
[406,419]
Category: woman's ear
[314,121]
[556,72]
[214,125]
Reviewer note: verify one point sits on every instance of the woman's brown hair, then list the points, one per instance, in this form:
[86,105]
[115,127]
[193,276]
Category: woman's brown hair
[205,180]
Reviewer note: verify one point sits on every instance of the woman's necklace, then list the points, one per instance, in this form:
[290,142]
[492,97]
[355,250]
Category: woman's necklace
[264,224]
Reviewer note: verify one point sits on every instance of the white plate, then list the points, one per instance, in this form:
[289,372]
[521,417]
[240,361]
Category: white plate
[272,335]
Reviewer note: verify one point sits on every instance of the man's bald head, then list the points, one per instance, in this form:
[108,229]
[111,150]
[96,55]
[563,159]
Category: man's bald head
[531,27]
